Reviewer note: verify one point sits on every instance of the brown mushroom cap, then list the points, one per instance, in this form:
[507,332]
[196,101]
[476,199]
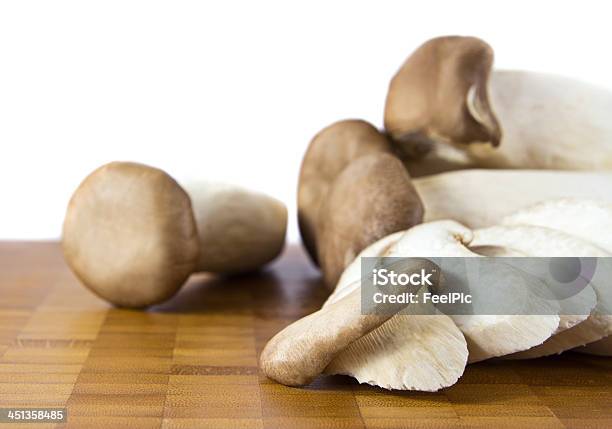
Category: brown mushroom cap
[372,198]
[441,93]
[130,235]
[329,152]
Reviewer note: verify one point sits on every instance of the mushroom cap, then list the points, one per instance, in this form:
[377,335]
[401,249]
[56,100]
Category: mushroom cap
[329,152]
[301,351]
[424,352]
[421,351]
[541,241]
[441,92]
[487,336]
[586,221]
[129,234]
[370,199]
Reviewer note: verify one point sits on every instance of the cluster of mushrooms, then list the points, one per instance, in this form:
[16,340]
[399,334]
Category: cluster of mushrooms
[473,162]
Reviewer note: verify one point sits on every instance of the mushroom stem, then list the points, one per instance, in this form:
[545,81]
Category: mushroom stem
[548,122]
[239,230]
[480,198]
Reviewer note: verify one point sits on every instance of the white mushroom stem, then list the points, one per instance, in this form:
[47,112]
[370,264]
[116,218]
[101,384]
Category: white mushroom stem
[480,198]
[548,122]
[239,229]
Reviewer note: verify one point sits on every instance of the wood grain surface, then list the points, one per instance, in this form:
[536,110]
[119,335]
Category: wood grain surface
[192,362]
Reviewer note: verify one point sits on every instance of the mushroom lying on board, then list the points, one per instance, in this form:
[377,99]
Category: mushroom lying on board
[133,235]
[351,192]
[446,109]
[301,351]
[424,351]
[417,351]
[529,335]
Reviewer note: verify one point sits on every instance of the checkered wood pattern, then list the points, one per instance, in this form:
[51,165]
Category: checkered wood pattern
[192,362]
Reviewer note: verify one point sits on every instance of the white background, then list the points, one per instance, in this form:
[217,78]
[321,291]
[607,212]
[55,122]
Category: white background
[233,90]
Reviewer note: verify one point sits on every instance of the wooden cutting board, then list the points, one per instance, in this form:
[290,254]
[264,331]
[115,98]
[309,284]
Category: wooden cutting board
[192,362]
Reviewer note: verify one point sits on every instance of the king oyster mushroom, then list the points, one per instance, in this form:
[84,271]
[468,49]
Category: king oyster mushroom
[133,235]
[447,109]
[394,355]
[427,352]
[303,350]
[422,351]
